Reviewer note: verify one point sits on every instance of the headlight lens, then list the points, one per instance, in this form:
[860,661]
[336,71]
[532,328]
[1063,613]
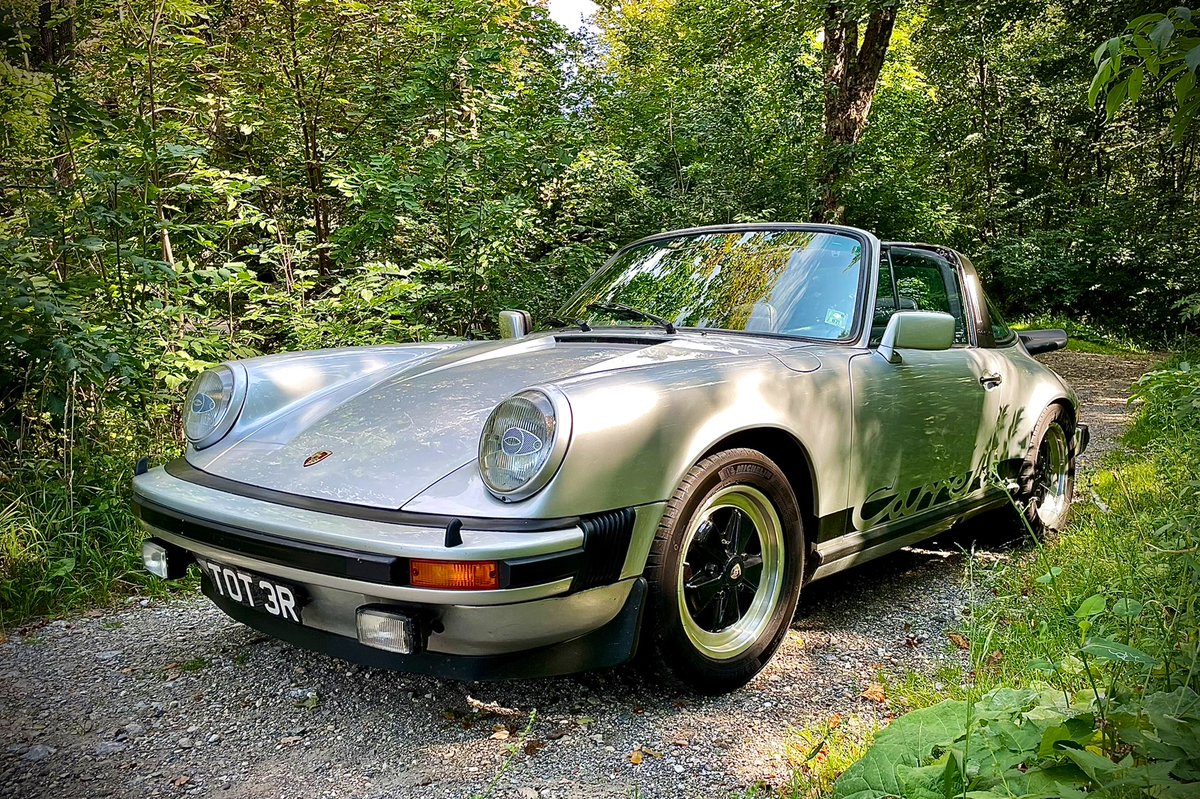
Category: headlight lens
[209,413]
[523,443]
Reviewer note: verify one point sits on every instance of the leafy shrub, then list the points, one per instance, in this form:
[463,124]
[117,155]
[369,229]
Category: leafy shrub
[1170,398]
[1035,742]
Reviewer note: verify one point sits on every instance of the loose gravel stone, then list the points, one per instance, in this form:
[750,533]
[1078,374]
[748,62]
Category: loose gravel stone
[112,684]
[38,753]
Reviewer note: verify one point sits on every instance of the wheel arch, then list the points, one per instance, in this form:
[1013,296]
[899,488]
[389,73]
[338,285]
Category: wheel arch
[791,456]
[1067,405]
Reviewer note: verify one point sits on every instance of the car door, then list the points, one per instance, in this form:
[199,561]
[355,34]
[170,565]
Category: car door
[1001,354]
[923,426]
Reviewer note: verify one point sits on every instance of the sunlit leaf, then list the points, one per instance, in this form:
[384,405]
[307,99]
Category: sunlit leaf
[1107,650]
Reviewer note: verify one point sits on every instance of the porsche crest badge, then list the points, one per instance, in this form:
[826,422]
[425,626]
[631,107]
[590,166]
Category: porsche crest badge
[316,457]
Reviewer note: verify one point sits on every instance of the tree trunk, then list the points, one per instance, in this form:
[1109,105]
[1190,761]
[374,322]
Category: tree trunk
[55,41]
[851,77]
[314,166]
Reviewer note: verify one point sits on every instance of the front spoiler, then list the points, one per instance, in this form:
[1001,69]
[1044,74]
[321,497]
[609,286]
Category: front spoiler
[610,645]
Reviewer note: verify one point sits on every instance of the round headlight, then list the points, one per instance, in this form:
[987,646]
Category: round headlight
[523,443]
[212,406]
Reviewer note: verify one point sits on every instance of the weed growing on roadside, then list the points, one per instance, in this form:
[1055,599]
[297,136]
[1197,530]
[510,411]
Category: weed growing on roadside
[510,754]
[819,755]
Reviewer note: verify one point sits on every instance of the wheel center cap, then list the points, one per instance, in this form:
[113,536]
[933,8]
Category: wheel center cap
[735,572]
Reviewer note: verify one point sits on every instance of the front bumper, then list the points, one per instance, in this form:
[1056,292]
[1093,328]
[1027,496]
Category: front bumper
[1083,435]
[571,597]
[610,644]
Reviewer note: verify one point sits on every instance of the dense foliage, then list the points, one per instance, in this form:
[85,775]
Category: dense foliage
[185,181]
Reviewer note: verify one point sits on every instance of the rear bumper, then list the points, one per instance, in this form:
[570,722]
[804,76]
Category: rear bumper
[1083,435]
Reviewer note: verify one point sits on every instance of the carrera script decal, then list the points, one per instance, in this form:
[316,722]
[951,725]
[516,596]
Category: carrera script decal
[889,504]
[883,506]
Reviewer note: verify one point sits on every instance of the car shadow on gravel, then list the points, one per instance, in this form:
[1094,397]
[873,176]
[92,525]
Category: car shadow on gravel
[995,534]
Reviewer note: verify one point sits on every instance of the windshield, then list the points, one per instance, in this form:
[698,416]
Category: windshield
[788,282]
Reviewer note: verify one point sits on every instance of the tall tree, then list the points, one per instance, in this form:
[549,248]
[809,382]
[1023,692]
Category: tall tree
[852,71]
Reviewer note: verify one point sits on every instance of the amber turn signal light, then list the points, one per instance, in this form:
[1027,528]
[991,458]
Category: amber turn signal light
[458,575]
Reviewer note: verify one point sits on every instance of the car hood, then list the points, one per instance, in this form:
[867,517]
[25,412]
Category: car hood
[401,429]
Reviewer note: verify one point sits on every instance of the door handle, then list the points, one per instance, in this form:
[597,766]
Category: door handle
[991,380]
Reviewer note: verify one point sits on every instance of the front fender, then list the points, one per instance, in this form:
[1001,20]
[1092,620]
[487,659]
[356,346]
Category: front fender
[635,434]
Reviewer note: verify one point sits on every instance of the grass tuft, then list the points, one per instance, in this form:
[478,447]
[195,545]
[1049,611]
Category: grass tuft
[819,755]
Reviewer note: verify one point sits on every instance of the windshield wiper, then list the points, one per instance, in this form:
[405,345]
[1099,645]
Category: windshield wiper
[554,321]
[629,311]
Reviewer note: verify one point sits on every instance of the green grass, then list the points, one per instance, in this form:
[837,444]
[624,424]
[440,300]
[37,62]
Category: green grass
[912,690]
[67,537]
[1129,546]
[818,755]
[56,556]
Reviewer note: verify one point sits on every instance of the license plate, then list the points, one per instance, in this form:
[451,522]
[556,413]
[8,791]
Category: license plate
[254,590]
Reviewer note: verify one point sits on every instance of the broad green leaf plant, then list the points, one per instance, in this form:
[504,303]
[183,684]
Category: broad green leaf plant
[1157,52]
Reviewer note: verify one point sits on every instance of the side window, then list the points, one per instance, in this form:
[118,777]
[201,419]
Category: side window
[1002,334]
[923,282]
[885,302]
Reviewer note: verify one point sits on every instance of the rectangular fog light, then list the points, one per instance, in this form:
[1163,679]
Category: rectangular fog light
[154,558]
[163,560]
[385,629]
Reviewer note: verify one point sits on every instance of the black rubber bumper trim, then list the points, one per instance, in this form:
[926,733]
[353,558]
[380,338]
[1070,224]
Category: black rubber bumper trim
[334,561]
[611,645]
[181,469]
[353,564]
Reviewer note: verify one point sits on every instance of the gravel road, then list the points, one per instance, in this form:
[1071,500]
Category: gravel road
[174,699]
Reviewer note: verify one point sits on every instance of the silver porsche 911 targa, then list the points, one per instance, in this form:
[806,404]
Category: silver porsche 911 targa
[717,417]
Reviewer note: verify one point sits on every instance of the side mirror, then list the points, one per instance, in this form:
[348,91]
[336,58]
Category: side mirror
[916,330]
[514,324]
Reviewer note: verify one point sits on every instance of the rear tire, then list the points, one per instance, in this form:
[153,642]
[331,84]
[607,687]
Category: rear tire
[1047,478]
[725,571]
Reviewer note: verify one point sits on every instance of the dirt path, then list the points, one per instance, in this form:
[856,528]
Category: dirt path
[175,699]
[1102,382]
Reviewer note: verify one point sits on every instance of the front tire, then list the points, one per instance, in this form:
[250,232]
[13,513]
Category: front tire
[1047,480]
[725,571]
